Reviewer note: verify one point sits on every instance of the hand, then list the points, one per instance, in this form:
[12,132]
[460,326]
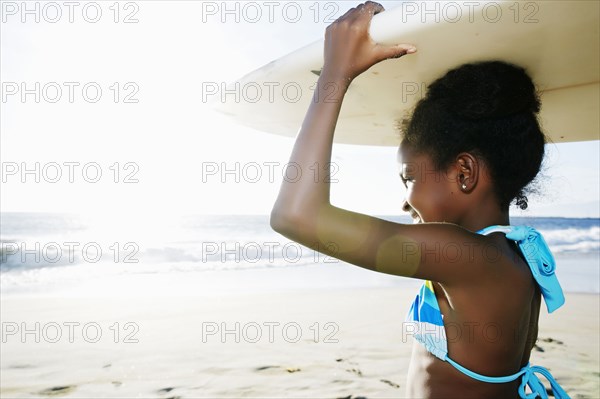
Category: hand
[350,50]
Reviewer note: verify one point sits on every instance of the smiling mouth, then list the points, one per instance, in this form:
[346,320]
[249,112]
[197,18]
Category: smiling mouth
[413,214]
[416,218]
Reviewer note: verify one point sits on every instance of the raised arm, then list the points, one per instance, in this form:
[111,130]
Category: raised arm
[303,211]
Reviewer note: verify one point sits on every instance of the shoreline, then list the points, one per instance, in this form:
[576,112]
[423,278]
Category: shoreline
[576,273]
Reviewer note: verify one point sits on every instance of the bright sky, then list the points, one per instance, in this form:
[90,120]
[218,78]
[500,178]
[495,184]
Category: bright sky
[169,141]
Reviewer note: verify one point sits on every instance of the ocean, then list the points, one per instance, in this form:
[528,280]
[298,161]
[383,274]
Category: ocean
[48,253]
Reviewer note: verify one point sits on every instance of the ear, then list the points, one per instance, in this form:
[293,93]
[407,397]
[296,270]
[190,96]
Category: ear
[467,171]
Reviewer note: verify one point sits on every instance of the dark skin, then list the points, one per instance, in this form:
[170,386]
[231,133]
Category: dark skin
[483,285]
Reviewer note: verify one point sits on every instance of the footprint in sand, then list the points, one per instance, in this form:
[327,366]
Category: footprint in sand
[288,369]
[547,340]
[355,371]
[21,366]
[292,369]
[58,390]
[390,383]
[552,340]
[167,390]
[266,368]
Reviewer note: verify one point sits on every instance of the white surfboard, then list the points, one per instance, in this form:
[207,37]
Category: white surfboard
[556,41]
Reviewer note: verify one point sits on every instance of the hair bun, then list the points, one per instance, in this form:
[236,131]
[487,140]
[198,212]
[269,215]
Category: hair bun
[489,89]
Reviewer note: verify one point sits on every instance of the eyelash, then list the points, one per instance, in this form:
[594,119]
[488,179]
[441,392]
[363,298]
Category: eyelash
[405,180]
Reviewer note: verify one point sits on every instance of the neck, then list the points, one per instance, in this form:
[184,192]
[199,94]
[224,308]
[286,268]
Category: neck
[484,215]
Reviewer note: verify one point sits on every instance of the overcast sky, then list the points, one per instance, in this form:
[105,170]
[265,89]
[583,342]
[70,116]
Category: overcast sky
[147,143]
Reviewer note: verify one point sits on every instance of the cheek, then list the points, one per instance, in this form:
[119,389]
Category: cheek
[427,199]
[417,198]
[410,195]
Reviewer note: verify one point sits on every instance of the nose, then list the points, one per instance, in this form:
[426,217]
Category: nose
[406,206]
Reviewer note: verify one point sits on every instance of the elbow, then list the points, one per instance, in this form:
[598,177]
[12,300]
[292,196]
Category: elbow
[281,222]
[293,225]
[296,223]
[282,217]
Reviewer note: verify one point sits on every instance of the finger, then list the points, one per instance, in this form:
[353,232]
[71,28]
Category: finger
[370,8]
[386,52]
[366,11]
[375,7]
[347,13]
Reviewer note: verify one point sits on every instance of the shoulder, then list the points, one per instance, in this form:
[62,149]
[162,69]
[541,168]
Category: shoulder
[456,256]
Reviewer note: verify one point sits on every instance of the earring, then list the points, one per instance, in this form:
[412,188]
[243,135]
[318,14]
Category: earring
[464,186]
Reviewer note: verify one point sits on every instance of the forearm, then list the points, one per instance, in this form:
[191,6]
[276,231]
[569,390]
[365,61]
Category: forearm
[348,52]
[306,188]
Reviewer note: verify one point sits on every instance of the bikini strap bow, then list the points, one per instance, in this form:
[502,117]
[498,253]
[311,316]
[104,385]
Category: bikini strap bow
[528,378]
[536,386]
[541,262]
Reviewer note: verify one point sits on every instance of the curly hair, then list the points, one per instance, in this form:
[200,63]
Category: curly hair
[488,109]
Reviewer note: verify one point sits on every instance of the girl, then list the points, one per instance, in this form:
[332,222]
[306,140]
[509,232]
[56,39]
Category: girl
[471,147]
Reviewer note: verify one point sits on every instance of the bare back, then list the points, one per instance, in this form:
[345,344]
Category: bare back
[491,328]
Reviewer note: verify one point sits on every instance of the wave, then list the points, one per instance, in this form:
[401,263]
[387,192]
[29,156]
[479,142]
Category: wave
[585,240]
[226,254]
[19,256]
[204,244]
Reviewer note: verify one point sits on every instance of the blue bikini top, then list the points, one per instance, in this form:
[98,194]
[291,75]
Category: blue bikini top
[427,321]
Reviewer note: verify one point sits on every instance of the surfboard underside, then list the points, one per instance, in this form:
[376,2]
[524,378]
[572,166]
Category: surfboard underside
[558,46]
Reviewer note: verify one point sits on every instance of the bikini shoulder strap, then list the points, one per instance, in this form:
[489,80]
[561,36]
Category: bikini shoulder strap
[539,258]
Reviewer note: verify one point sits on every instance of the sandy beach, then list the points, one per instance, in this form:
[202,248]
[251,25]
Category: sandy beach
[326,343]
